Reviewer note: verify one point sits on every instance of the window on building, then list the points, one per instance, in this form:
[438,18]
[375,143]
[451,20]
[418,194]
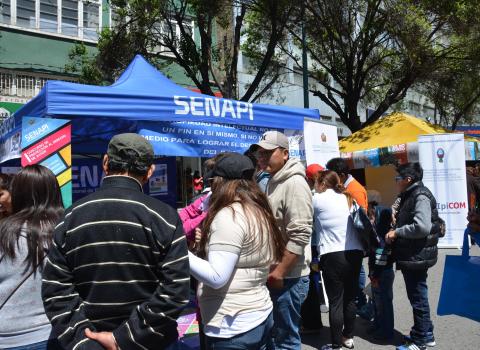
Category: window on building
[70,17]
[115,18]
[26,14]
[48,16]
[6,83]
[5,12]
[163,29]
[90,20]
[25,86]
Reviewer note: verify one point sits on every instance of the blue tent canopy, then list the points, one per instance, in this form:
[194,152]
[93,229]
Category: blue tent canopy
[143,100]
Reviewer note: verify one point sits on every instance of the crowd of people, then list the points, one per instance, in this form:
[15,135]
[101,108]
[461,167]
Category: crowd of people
[116,269]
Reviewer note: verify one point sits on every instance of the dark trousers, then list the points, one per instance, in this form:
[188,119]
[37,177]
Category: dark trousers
[310,312]
[417,291]
[383,303]
[340,273]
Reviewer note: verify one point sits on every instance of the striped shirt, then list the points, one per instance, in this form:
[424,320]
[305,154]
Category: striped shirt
[119,263]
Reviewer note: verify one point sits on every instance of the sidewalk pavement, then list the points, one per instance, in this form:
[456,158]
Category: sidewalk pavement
[451,332]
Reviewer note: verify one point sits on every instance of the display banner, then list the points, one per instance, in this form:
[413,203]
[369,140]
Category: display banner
[192,139]
[442,157]
[48,142]
[163,183]
[10,139]
[321,142]
[87,175]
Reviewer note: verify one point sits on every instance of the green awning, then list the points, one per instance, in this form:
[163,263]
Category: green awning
[8,108]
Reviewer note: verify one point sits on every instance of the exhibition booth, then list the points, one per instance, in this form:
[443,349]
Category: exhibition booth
[177,121]
[399,138]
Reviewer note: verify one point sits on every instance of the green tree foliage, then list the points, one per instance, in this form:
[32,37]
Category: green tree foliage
[161,31]
[455,88]
[82,63]
[375,50]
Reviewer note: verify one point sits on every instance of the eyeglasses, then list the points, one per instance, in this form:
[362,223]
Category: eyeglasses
[398,178]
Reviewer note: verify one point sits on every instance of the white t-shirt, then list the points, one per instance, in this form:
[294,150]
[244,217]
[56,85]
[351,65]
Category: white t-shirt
[333,224]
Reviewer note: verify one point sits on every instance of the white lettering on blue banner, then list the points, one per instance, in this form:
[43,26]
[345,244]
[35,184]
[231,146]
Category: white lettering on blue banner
[213,107]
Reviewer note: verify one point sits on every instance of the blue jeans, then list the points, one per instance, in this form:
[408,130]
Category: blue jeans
[51,344]
[417,291]
[255,339]
[362,279]
[287,303]
[383,302]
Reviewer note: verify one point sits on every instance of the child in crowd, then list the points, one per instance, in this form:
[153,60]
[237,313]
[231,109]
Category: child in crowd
[382,274]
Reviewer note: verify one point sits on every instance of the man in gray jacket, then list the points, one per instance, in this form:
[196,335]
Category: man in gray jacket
[291,202]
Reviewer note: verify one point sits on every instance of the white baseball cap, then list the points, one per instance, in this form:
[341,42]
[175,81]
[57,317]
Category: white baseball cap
[273,139]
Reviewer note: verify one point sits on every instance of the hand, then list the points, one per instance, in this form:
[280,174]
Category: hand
[198,235]
[374,281]
[275,280]
[106,339]
[390,237]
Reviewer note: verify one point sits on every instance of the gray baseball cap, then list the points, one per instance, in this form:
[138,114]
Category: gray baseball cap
[130,148]
[273,139]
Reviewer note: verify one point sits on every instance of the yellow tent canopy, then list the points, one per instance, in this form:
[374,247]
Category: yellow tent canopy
[393,129]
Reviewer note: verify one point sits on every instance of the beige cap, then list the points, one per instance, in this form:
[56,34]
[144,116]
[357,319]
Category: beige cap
[273,139]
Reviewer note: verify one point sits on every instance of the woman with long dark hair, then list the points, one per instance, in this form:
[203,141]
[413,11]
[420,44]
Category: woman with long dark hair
[25,237]
[341,255]
[5,197]
[241,241]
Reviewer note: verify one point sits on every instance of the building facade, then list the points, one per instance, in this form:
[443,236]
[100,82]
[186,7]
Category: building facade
[36,37]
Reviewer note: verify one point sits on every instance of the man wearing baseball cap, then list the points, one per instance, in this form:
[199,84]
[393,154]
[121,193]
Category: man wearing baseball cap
[291,201]
[117,274]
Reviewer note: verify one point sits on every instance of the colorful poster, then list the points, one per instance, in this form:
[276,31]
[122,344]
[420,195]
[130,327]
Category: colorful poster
[187,324]
[10,135]
[48,142]
[442,157]
[158,182]
[367,158]
[321,142]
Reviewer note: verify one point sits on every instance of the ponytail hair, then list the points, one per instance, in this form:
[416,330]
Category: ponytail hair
[329,180]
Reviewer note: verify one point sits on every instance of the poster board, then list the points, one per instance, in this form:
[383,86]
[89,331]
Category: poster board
[442,157]
[321,142]
[48,142]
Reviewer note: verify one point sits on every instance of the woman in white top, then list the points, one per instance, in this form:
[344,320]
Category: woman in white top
[341,256]
[240,242]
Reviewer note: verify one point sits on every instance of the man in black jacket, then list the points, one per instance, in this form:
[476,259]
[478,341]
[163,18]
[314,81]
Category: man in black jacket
[117,274]
[414,242]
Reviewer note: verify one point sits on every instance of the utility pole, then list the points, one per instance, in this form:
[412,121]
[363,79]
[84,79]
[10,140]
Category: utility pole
[306,103]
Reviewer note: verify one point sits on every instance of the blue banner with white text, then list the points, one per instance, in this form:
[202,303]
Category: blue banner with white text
[192,139]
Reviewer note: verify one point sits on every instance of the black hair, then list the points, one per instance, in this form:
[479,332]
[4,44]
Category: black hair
[250,153]
[412,170]
[36,208]
[5,181]
[338,165]
[129,163]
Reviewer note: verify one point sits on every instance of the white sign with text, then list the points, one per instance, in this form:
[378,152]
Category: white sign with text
[442,157]
[321,142]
